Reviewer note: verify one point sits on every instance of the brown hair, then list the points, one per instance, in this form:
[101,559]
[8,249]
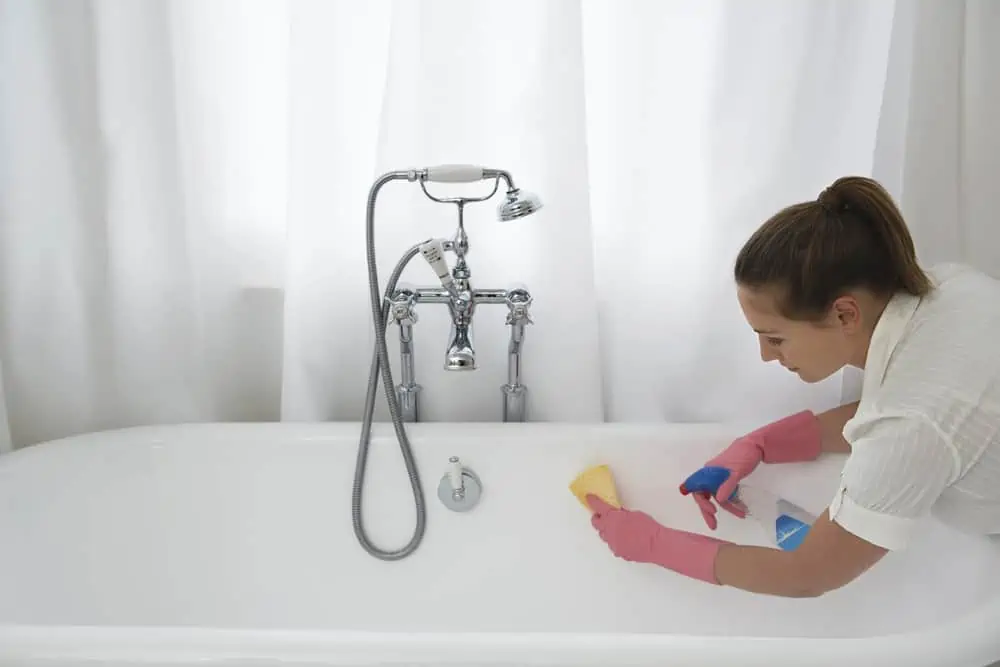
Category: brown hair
[851,236]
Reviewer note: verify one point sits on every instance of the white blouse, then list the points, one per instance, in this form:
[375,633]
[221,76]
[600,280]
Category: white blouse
[926,436]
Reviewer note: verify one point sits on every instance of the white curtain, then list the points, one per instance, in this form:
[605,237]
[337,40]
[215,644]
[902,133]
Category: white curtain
[183,188]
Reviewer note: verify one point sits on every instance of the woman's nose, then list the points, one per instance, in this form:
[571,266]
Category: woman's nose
[767,352]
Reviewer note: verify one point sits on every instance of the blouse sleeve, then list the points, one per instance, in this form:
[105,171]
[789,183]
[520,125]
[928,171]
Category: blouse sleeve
[897,469]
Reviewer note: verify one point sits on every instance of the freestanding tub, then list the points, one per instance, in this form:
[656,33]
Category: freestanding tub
[232,544]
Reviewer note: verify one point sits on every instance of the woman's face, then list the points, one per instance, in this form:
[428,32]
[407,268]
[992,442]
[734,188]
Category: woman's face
[812,350]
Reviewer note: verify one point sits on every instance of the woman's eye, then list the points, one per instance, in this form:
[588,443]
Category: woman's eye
[775,341]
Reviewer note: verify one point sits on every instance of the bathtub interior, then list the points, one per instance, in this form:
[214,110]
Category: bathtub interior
[248,527]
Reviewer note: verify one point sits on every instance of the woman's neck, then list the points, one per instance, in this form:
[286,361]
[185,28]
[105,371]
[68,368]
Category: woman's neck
[872,308]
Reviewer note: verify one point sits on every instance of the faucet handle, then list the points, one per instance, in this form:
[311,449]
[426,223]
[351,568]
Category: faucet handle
[460,488]
[455,476]
[518,303]
[403,305]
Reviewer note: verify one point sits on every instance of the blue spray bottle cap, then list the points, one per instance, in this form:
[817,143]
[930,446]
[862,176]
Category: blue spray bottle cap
[790,531]
[707,480]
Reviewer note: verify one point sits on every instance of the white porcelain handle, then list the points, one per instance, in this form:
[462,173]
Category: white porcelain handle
[455,173]
[455,473]
[433,252]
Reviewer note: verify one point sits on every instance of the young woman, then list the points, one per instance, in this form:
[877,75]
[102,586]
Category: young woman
[835,282]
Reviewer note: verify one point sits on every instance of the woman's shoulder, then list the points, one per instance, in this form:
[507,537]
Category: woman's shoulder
[954,279]
[946,359]
[962,310]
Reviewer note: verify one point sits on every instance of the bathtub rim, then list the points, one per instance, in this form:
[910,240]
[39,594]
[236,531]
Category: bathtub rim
[964,641]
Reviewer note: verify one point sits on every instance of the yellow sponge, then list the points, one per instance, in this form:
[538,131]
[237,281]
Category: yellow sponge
[599,481]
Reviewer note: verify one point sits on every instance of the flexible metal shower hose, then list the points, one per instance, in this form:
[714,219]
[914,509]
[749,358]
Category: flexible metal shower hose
[380,360]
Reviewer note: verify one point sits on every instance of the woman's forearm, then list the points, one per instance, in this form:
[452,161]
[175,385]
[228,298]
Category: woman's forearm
[831,425]
[828,558]
[763,570]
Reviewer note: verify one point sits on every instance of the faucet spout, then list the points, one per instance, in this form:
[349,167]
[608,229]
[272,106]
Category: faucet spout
[461,355]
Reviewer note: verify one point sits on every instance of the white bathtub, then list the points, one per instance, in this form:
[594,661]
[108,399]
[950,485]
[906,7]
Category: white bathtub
[232,545]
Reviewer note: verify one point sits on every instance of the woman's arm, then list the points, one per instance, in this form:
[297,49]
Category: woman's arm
[831,425]
[829,557]
[899,470]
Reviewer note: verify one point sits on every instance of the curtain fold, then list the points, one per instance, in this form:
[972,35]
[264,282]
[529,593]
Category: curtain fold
[183,188]
[6,444]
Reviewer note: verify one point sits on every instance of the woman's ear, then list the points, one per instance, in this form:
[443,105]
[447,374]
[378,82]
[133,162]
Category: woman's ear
[847,312]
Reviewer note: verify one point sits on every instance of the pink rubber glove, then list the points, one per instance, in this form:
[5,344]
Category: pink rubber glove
[637,537]
[793,439]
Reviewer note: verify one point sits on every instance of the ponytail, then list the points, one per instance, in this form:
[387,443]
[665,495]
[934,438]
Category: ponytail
[852,236]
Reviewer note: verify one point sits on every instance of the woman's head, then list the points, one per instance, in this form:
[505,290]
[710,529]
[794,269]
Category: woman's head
[814,278]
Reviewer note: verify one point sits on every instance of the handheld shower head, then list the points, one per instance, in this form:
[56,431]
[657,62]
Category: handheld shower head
[517,205]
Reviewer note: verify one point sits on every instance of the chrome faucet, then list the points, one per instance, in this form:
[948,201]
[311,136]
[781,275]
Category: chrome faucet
[462,488]
[462,300]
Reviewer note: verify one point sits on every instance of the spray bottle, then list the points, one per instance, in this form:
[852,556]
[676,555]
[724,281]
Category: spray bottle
[785,523]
